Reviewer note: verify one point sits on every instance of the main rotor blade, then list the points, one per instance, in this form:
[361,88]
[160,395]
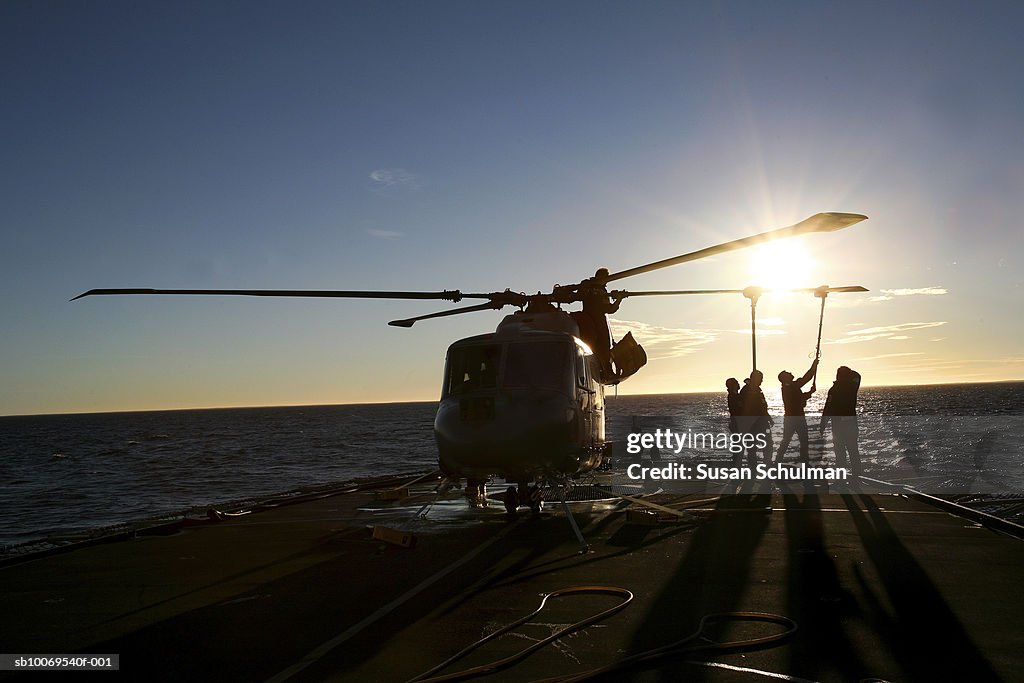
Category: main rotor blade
[622,294]
[852,288]
[819,222]
[409,322]
[820,292]
[449,295]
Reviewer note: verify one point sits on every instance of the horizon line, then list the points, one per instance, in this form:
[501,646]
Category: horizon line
[384,403]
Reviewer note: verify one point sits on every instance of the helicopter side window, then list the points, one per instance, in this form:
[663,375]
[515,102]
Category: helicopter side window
[538,365]
[473,368]
[581,369]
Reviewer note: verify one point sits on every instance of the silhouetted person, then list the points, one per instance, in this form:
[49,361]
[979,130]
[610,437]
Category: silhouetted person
[794,421]
[597,303]
[841,410]
[732,388]
[755,419]
[733,400]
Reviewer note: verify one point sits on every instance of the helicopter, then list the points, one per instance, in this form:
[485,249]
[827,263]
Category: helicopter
[527,401]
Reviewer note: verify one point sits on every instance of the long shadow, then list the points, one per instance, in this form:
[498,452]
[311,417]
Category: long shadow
[816,599]
[261,632]
[711,577]
[925,636]
[267,629]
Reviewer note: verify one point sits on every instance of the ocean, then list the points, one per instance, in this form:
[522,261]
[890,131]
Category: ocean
[65,474]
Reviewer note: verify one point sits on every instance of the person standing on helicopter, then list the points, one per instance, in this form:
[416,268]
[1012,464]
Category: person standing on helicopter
[597,304]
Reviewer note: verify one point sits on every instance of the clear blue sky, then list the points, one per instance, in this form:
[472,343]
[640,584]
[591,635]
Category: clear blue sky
[485,145]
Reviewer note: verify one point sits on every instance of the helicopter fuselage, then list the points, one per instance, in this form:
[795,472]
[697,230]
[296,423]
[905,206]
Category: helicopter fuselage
[524,402]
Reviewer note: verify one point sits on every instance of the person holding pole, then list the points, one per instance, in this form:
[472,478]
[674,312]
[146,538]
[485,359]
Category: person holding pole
[794,400]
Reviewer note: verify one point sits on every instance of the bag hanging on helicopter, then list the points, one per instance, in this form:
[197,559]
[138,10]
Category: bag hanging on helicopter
[628,356]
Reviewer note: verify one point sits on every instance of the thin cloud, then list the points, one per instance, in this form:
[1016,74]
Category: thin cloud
[385,234]
[890,355]
[854,301]
[1010,365]
[672,342]
[901,327]
[663,342]
[391,177]
[886,332]
[886,295]
[857,339]
[761,332]
[763,327]
[921,291]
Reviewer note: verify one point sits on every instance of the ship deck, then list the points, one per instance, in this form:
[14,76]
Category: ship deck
[880,586]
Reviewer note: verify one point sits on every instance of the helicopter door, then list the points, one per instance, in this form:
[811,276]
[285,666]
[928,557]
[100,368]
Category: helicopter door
[587,396]
[598,403]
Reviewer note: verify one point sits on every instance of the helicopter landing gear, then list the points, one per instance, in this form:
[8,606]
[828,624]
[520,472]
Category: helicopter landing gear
[529,495]
[511,500]
[475,493]
[534,498]
[584,546]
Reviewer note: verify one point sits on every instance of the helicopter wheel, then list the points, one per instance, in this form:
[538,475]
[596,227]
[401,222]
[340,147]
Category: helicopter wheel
[476,494]
[511,500]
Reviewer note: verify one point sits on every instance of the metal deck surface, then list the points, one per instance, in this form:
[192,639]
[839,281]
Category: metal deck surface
[880,587]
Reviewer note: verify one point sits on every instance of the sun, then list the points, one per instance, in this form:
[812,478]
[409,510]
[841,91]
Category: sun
[780,265]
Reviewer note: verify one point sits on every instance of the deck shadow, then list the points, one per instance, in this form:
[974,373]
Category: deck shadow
[816,598]
[925,636]
[712,576]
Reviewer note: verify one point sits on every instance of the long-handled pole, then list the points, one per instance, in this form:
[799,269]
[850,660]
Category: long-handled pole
[753,335]
[753,293]
[820,292]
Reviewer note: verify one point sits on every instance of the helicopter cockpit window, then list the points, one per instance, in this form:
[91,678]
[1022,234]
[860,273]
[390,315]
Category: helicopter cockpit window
[538,365]
[472,368]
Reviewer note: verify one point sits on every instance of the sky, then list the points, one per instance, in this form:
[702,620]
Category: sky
[490,145]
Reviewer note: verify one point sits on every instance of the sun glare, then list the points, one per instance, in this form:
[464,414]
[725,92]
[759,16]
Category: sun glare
[780,265]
